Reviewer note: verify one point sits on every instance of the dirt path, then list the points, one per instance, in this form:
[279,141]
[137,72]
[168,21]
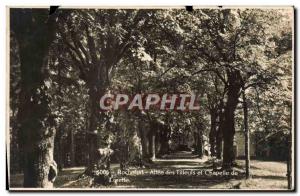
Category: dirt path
[181,170]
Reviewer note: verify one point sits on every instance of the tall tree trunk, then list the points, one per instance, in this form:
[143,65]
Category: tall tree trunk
[153,147]
[58,149]
[39,168]
[228,153]
[219,134]
[99,146]
[96,119]
[151,138]
[98,82]
[164,140]
[92,131]
[219,140]
[72,149]
[35,31]
[200,145]
[234,80]
[144,143]
[247,149]
[59,131]
[212,133]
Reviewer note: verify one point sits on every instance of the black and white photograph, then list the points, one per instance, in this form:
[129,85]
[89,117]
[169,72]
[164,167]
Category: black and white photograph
[153,98]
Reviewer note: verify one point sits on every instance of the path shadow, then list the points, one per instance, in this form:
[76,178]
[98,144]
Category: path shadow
[270,177]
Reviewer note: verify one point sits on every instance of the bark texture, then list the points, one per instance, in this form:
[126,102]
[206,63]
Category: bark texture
[34,32]
[234,87]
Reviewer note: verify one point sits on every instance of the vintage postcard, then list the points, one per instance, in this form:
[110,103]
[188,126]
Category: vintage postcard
[150,98]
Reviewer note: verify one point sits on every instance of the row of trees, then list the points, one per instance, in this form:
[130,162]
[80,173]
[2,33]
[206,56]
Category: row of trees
[237,60]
